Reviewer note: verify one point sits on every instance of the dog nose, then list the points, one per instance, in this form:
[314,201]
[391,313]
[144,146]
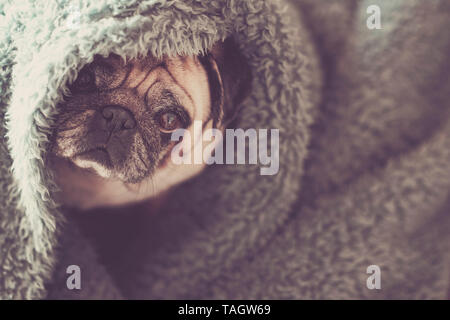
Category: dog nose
[118,118]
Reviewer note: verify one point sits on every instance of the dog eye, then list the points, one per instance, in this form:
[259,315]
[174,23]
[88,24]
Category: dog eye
[107,77]
[169,121]
[85,81]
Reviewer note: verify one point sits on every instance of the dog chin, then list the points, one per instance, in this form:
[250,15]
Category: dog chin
[84,188]
[99,162]
[94,167]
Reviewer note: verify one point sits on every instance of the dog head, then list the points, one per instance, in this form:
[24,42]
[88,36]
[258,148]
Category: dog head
[112,139]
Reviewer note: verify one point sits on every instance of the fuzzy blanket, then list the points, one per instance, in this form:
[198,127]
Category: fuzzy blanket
[364,175]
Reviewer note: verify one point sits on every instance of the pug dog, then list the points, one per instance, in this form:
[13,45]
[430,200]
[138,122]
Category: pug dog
[112,139]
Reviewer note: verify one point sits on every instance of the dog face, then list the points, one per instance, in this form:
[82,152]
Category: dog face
[112,140]
[120,116]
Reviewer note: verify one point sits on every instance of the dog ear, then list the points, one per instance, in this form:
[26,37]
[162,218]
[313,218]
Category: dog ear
[229,78]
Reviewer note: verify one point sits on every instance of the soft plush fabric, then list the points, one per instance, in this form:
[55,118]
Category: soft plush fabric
[364,154]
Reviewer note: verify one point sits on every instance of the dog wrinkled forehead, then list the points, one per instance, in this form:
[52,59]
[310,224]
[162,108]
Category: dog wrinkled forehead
[113,71]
